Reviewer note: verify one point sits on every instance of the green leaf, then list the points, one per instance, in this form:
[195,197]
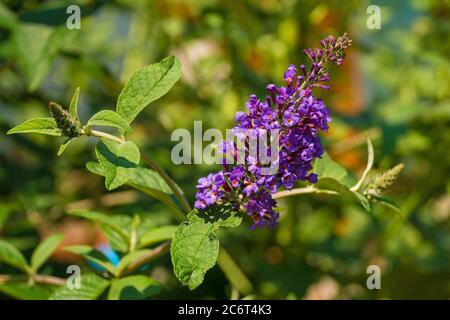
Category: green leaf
[44,250]
[135,287]
[108,118]
[391,204]
[73,108]
[218,216]
[121,224]
[118,161]
[10,255]
[37,45]
[39,125]
[156,235]
[325,167]
[115,239]
[129,258]
[93,255]
[194,250]
[146,85]
[144,180]
[6,210]
[8,18]
[24,291]
[64,145]
[342,189]
[95,168]
[150,179]
[92,286]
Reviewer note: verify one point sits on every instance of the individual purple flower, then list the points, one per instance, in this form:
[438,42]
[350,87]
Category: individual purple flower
[250,187]
[236,176]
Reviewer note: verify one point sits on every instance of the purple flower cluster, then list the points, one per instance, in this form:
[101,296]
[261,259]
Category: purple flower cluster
[298,117]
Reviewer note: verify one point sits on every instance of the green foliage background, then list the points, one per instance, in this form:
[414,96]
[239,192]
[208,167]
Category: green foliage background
[394,87]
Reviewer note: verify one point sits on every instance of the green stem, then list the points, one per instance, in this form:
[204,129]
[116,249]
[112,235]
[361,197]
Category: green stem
[233,273]
[297,191]
[38,278]
[152,255]
[102,135]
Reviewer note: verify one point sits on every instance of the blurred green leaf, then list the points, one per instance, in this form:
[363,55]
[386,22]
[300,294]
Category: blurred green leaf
[146,85]
[73,108]
[10,255]
[129,258]
[7,17]
[135,287]
[156,235]
[92,286]
[25,291]
[115,239]
[37,45]
[93,255]
[121,224]
[44,250]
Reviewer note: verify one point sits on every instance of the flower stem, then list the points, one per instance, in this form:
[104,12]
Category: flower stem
[297,191]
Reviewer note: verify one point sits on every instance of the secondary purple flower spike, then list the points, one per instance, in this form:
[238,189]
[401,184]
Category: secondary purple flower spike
[299,117]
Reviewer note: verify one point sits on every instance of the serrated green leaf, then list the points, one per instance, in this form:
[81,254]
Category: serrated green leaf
[92,286]
[325,167]
[110,119]
[156,235]
[217,216]
[44,250]
[146,85]
[135,287]
[342,189]
[10,255]
[24,291]
[93,255]
[118,161]
[121,224]
[39,125]
[73,108]
[194,250]
[131,257]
